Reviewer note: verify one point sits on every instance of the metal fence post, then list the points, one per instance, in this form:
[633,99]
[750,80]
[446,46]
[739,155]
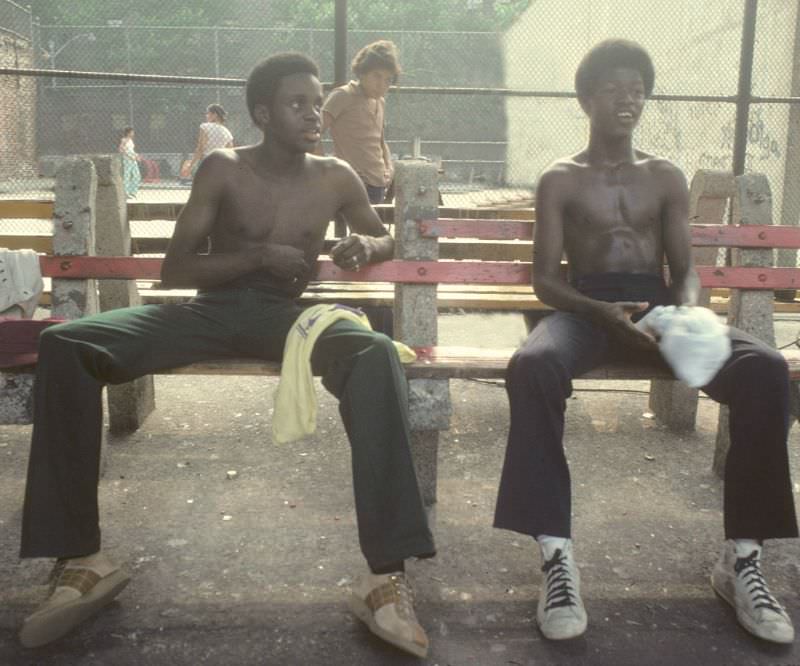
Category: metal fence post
[340,44]
[790,206]
[745,86]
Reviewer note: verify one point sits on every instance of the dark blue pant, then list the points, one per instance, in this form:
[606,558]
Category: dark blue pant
[360,367]
[535,491]
[375,193]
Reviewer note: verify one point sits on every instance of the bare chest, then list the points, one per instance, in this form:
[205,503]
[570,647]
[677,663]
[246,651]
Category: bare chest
[291,212]
[613,201]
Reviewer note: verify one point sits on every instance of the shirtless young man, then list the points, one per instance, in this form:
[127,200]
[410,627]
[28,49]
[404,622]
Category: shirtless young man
[617,212]
[265,209]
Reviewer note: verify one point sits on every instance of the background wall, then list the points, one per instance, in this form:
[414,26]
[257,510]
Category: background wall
[695,47]
[17,110]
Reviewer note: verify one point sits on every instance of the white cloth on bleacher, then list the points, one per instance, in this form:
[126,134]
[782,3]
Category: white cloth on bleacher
[20,282]
[692,340]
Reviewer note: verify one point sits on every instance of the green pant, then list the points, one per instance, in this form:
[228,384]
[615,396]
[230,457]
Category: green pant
[358,366]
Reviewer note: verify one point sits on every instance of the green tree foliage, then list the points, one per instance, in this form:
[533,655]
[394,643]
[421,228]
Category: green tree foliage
[138,12]
[465,15]
[130,35]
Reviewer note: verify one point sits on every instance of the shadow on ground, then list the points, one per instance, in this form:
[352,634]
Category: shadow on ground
[255,569]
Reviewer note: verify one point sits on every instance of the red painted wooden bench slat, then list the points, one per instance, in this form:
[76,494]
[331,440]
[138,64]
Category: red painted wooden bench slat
[422,272]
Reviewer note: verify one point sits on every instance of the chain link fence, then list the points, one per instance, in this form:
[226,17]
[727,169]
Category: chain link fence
[486,89]
[16,20]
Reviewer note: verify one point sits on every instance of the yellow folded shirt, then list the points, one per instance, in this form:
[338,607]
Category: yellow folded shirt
[295,413]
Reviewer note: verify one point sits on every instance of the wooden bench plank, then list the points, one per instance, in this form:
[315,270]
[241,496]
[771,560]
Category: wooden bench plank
[39,244]
[26,209]
[169,210]
[487,229]
[749,277]
[449,248]
[703,235]
[422,272]
[508,241]
[475,300]
[745,236]
[457,362]
[461,238]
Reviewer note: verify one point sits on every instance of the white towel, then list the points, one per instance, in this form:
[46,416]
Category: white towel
[692,340]
[20,282]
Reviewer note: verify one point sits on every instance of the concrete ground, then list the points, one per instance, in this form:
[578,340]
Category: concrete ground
[255,569]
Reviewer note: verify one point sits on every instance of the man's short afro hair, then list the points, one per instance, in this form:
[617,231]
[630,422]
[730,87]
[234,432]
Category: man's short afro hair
[608,55]
[266,75]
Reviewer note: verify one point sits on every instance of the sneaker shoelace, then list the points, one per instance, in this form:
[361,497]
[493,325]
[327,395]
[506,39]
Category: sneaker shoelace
[560,590]
[55,575]
[404,596]
[749,569]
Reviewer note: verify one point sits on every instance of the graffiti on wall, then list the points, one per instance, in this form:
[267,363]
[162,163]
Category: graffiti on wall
[762,144]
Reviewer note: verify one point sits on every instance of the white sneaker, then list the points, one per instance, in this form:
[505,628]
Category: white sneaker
[79,588]
[385,603]
[560,612]
[739,581]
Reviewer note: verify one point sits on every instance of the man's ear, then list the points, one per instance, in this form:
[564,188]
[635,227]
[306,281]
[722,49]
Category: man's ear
[261,113]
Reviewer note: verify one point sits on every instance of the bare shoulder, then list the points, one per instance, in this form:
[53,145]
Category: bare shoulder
[222,160]
[337,100]
[338,93]
[343,94]
[232,161]
[660,167]
[331,169]
[561,175]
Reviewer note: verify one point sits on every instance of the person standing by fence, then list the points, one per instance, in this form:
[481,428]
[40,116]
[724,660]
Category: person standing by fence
[354,113]
[131,176]
[213,134]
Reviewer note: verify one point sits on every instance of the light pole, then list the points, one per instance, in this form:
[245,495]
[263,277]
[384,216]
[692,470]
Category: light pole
[52,52]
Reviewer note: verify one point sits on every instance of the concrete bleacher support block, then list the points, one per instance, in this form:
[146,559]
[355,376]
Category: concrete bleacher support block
[429,404]
[415,316]
[73,234]
[74,211]
[751,310]
[673,402]
[129,404]
[16,398]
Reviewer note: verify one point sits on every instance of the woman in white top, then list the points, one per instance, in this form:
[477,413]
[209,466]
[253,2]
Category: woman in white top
[131,176]
[213,134]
